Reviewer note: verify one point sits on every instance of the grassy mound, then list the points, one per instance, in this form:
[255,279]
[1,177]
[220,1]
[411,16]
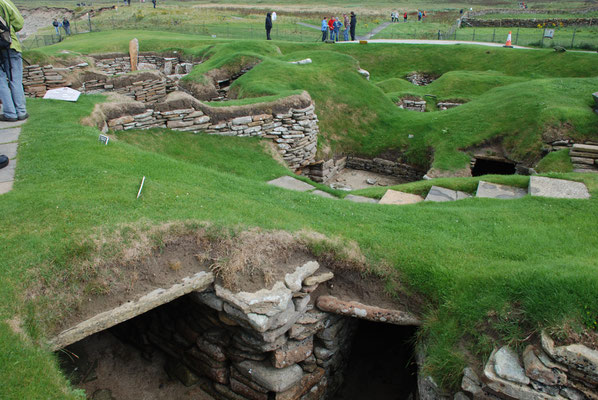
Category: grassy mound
[491,271]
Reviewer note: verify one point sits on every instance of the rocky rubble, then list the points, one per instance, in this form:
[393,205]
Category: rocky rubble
[386,167]
[413,105]
[542,372]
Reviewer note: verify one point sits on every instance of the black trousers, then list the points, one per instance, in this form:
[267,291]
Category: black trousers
[268,34]
[352,31]
[324,35]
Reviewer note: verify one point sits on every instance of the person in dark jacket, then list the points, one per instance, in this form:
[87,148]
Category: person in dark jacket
[66,25]
[268,25]
[353,24]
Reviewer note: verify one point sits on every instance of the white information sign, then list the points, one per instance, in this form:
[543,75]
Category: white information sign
[64,93]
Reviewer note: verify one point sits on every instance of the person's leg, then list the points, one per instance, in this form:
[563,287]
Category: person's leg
[323,36]
[268,34]
[16,83]
[8,106]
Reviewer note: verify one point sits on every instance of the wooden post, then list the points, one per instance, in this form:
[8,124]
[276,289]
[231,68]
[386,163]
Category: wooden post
[134,53]
[573,38]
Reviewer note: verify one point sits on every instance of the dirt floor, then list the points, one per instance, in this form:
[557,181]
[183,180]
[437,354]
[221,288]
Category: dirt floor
[357,179]
[103,362]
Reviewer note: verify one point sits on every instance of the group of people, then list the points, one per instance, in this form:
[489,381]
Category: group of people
[65,24]
[332,27]
[394,16]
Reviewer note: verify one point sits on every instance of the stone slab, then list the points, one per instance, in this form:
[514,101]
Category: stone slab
[360,199]
[7,174]
[587,148]
[9,135]
[107,319]
[496,191]
[557,188]
[440,194]
[399,198]
[5,125]
[288,182]
[5,187]
[265,375]
[362,311]
[9,150]
[323,194]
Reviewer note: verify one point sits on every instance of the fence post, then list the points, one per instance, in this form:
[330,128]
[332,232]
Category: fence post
[89,21]
[473,36]
[573,38]
[494,35]
[517,36]
[542,41]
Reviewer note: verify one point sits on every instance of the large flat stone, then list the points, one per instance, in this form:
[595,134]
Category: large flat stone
[558,188]
[586,148]
[295,279]
[7,174]
[5,187]
[505,388]
[6,125]
[268,302]
[399,198]
[362,311]
[107,319]
[274,379]
[9,135]
[496,191]
[360,199]
[288,182]
[508,366]
[440,194]
[9,149]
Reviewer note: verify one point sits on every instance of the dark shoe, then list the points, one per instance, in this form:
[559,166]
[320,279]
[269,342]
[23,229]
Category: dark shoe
[5,119]
[3,161]
[23,117]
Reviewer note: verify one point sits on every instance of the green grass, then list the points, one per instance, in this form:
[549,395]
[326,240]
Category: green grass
[557,161]
[466,258]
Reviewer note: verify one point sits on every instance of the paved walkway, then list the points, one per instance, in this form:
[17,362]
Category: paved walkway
[9,134]
[374,31]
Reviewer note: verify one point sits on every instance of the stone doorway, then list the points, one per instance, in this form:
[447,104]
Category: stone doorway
[492,166]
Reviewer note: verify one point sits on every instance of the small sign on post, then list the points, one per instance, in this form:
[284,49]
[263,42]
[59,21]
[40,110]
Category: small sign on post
[549,33]
[104,139]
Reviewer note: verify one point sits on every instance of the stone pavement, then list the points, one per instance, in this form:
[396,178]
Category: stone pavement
[439,194]
[557,188]
[9,134]
[496,191]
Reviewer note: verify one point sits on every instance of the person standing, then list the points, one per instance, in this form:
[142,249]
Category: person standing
[347,26]
[11,63]
[405,17]
[56,25]
[419,15]
[353,25]
[324,29]
[337,29]
[268,25]
[154,3]
[331,27]
[67,26]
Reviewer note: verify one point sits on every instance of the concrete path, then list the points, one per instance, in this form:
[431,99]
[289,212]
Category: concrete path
[374,31]
[309,25]
[9,134]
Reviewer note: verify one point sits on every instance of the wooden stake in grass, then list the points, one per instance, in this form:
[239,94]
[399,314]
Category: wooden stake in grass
[140,187]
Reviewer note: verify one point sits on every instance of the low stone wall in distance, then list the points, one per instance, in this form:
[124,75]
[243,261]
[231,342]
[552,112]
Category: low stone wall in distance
[291,123]
[115,64]
[531,23]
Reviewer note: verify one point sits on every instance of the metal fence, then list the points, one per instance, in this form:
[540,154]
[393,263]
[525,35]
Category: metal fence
[76,27]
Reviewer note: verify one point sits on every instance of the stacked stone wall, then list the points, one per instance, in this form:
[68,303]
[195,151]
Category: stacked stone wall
[531,23]
[322,171]
[479,13]
[117,64]
[138,88]
[386,167]
[270,344]
[37,79]
[413,105]
[294,129]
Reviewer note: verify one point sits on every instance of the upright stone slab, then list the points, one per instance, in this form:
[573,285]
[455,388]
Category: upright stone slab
[440,194]
[134,53]
[496,191]
[287,182]
[399,198]
[557,188]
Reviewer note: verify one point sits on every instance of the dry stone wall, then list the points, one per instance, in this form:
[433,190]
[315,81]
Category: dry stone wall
[531,23]
[291,123]
[270,344]
[584,156]
[386,167]
[38,79]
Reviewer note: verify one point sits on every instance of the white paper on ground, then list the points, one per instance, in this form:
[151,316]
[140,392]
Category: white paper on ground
[64,93]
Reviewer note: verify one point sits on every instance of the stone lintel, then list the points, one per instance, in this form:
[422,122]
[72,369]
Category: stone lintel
[362,311]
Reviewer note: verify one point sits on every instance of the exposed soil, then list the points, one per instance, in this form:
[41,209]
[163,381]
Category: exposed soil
[41,17]
[102,361]
[357,179]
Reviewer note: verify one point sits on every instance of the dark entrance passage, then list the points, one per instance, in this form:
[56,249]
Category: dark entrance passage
[381,365]
[484,166]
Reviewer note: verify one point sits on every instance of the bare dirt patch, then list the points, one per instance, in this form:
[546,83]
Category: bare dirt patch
[358,179]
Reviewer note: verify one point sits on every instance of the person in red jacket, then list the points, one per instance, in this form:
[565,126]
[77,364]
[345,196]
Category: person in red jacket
[331,27]
[405,17]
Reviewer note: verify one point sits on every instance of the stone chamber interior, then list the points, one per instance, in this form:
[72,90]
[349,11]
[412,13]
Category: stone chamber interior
[128,361]
[484,166]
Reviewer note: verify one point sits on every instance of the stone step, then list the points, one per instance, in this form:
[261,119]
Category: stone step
[587,148]
[496,191]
